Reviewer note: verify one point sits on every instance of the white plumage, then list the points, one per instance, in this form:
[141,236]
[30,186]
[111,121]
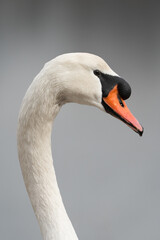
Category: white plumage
[67,78]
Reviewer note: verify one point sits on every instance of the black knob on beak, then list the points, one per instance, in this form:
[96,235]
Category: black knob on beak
[124,89]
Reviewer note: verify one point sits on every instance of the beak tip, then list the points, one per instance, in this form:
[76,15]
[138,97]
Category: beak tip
[141,132]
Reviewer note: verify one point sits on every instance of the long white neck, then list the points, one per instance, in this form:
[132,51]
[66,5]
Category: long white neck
[39,108]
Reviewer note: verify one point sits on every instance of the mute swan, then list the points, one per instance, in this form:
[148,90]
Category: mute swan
[76,77]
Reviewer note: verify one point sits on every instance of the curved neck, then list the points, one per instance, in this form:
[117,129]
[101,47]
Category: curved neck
[34,149]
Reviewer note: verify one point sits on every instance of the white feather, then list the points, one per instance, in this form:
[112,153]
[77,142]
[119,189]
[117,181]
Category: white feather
[67,78]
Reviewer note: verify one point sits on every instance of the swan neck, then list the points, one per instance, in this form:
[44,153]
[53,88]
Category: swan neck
[35,156]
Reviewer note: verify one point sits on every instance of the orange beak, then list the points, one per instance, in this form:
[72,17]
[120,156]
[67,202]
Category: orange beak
[118,108]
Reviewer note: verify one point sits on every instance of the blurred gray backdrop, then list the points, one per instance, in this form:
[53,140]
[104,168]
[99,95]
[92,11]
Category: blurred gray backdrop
[109,177]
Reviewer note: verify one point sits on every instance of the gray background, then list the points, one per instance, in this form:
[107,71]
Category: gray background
[108,175]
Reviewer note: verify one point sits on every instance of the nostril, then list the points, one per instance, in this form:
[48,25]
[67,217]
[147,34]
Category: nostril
[124,90]
[120,101]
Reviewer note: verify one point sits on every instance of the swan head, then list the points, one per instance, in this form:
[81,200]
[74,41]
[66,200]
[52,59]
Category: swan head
[87,79]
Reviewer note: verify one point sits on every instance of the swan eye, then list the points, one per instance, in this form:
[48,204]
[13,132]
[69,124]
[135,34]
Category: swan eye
[97,73]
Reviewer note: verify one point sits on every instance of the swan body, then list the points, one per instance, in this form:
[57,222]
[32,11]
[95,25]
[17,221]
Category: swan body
[74,77]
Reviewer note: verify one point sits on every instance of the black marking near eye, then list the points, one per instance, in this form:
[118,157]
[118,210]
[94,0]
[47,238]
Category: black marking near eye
[109,82]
